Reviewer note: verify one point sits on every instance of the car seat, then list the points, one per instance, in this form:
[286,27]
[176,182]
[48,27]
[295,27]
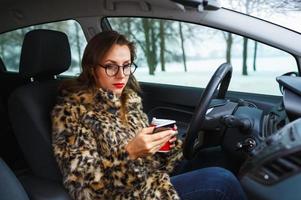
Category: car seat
[45,54]
[10,187]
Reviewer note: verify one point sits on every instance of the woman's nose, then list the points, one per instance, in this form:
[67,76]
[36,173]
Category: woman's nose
[120,73]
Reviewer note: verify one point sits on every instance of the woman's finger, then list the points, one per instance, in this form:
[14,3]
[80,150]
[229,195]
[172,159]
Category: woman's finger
[157,144]
[163,134]
[156,148]
[173,139]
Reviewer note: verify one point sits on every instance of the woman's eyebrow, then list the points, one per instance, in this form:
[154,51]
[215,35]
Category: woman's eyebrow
[113,61]
[127,61]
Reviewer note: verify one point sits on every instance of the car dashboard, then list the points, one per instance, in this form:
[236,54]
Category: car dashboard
[272,171]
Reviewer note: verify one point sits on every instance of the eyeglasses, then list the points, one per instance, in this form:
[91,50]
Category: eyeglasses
[113,69]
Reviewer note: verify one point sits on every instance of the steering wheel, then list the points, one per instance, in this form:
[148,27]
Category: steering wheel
[221,78]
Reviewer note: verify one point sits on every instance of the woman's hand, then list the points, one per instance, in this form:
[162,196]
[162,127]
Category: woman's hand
[146,143]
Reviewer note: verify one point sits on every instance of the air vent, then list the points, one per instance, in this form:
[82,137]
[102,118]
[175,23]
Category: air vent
[271,123]
[268,125]
[278,169]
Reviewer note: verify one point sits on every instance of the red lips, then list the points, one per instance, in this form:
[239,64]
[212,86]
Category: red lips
[119,85]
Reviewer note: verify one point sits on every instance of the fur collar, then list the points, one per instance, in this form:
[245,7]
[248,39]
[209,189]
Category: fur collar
[101,97]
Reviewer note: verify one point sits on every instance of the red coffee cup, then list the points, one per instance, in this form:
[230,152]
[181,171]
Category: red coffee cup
[165,147]
[161,125]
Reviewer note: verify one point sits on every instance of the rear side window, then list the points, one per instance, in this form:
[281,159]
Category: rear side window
[11,44]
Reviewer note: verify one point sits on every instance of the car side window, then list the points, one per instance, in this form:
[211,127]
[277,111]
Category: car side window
[11,44]
[179,53]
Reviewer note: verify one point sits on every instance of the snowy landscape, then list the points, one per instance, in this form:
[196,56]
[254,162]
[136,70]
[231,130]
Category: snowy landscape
[263,80]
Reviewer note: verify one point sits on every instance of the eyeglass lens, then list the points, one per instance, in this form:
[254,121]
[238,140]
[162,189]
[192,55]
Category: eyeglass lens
[113,69]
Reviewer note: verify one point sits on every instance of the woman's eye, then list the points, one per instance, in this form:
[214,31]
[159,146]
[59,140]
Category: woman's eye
[127,66]
[109,66]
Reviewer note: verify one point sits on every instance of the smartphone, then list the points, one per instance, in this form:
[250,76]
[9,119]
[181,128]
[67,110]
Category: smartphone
[162,124]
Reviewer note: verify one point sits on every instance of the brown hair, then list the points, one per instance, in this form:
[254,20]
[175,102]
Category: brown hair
[97,48]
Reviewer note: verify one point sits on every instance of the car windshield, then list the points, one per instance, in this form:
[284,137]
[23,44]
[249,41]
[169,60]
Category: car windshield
[286,13]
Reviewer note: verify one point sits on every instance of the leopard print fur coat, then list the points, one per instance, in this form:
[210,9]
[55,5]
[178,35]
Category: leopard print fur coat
[89,141]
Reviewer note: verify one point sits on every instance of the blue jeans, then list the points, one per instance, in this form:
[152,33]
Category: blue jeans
[208,184]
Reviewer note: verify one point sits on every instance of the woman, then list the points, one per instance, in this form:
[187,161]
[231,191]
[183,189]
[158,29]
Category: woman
[104,145]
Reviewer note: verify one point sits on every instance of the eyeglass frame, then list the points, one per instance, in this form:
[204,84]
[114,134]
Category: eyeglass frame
[123,66]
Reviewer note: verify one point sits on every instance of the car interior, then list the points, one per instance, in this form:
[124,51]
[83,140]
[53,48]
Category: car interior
[257,136]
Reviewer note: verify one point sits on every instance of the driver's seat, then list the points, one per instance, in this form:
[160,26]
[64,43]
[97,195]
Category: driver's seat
[45,53]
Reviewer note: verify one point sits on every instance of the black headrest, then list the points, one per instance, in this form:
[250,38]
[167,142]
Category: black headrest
[44,53]
[2,66]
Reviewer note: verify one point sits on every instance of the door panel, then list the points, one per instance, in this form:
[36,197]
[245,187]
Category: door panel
[178,102]
[186,98]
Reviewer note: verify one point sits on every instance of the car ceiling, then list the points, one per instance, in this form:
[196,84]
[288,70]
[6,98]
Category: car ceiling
[20,13]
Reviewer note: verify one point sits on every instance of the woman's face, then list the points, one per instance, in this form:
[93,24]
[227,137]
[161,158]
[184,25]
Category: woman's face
[118,55]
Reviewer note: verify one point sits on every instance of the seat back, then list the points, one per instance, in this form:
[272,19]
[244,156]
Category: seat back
[45,53]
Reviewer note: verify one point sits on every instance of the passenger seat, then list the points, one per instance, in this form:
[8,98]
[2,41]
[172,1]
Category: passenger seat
[10,187]
[45,54]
